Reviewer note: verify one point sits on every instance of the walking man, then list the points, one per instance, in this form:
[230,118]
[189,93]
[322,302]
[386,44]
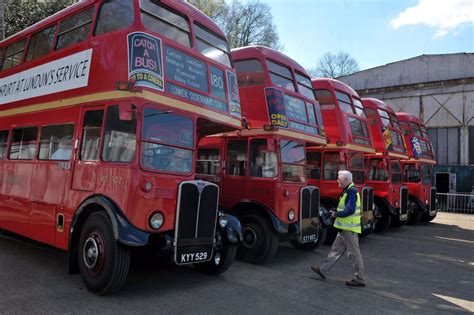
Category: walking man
[348,222]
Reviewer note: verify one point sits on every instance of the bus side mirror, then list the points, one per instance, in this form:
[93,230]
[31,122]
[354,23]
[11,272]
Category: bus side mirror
[125,111]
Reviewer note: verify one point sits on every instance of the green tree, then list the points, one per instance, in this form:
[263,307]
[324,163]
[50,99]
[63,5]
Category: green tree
[217,10]
[19,14]
[335,65]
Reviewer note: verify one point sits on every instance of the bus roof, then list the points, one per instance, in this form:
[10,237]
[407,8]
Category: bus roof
[249,52]
[377,104]
[320,83]
[409,117]
[179,5]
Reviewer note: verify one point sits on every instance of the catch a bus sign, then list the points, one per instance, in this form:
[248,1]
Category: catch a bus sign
[145,60]
[64,74]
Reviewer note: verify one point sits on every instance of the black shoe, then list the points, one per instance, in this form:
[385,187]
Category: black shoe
[355,283]
[318,271]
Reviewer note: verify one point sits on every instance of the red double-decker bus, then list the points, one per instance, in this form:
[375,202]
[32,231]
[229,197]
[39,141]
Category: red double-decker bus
[418,169]
[102,107]
[262,170]
[349,138]
[384,167]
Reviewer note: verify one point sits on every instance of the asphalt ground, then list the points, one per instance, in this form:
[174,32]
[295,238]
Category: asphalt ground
[426,269]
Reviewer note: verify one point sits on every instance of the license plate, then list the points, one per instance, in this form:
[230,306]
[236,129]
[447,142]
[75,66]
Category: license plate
[193,254]
[309,238]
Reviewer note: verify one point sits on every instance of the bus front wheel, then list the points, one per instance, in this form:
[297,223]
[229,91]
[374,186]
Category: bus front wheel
[259,240]
[382,218]
[415,213]
[102,262]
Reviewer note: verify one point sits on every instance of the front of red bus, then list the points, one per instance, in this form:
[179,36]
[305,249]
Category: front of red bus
[385,170]
[196,95]
[279,104]
[418,169]
[349,138]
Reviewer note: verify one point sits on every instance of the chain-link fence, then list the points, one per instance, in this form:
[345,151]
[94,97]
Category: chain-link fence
[456,203]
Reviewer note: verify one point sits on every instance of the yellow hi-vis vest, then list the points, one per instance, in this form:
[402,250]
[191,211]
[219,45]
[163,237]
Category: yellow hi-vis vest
[351,223]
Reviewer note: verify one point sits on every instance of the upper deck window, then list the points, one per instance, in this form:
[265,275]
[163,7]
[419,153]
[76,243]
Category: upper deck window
[405,128]
[75,29]
[359,108]
[304,86]
[359,130]
[281,76]
[345,102]
[416,129]
[324,97]
[114,15]
[394,121]
[41,43]
[384,117]
[169,24]
[212,46]
[13,55]
[249,72]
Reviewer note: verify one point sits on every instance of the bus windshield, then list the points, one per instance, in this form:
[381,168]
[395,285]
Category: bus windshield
[411,174]
[167,142]
[293,161]
[426,174]
[378,170]
[395,170]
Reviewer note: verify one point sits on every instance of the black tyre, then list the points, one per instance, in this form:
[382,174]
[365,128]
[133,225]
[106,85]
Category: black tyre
[428,218]
[396,222]
[313,245]
[220,262]
[260,241]
[414,213]
[103,263]
[382,218]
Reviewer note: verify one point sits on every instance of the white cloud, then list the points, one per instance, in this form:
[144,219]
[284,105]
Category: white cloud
[442,15]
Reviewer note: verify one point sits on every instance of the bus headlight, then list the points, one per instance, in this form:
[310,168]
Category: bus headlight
[223,221]
[426,201]
[291,214]
[157,220]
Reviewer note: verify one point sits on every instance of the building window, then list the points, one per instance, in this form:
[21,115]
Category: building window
[445,145]
[471,145]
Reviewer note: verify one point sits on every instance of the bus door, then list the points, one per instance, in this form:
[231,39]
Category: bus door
[50,180]
[235,171]
[87,152]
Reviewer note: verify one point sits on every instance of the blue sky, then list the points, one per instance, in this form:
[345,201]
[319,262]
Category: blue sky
[374,32]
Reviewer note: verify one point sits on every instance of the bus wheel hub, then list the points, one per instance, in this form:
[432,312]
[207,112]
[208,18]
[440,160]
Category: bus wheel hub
[250,237]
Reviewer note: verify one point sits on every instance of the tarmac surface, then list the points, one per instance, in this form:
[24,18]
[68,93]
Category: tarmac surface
[425,269]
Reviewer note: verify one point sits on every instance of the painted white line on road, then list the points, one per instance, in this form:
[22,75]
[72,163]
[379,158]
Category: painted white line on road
[465,304]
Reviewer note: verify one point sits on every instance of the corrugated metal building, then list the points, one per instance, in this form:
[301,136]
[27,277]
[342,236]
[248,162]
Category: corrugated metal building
[440,90]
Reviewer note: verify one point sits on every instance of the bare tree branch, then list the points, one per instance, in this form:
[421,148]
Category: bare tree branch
[333,66]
